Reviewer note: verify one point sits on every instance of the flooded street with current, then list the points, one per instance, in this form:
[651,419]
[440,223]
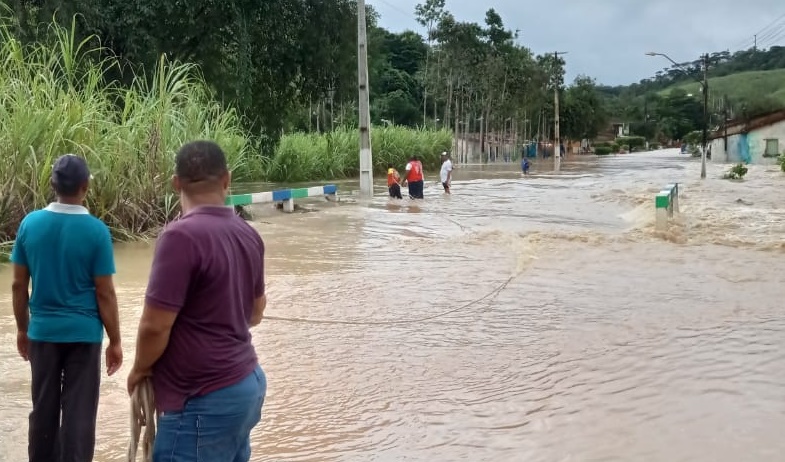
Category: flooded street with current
[520,319]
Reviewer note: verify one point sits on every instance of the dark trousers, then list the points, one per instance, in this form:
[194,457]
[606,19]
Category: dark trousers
[416,189]
[66,378]
[395,191]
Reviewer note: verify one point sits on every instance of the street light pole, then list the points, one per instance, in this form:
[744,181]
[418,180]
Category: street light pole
[704,83]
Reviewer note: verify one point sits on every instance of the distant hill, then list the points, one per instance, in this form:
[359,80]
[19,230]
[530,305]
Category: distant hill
[668,105]
[742,86]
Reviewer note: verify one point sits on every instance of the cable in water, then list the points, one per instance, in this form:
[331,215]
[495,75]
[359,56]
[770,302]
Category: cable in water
[490,294]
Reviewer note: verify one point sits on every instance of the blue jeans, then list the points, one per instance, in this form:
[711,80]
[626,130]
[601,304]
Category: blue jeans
[215,427]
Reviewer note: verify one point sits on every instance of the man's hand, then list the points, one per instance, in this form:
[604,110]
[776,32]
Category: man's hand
[114,358]
[23,345]
[258,310]
[135,378]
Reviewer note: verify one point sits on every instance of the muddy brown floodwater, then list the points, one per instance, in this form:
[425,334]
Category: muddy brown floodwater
[609,342]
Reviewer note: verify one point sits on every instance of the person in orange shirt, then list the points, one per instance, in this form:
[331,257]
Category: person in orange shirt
[415,178]
[393,182]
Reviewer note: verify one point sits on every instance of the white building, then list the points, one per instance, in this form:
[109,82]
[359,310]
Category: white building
[760,140]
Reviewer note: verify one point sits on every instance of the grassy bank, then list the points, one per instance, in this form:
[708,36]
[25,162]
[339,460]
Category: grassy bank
[743,86]
[311,156]
[55,100]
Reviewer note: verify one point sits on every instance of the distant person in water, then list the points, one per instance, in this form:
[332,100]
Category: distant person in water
[394,182]
[445,175]
[525,166]
[415,178]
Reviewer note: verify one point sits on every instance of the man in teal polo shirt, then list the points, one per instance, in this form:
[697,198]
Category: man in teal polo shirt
[68,255]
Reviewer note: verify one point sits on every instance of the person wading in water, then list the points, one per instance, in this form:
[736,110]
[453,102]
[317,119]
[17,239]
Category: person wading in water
[206,290]
[414,176]
[445,174]
[68,255]
[393,182]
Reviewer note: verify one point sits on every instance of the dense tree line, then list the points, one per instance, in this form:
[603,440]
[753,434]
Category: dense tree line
[290,65]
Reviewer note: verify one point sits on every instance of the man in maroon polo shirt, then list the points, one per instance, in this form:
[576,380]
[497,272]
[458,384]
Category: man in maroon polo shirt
[206,289]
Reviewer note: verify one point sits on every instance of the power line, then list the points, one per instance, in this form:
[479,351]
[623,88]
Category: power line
[770,24]
[744,44]
[762,34]
[775,40]
[772,37]
[771,32]
[397,9]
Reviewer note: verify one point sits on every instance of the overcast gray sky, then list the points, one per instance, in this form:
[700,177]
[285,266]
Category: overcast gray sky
[607,39]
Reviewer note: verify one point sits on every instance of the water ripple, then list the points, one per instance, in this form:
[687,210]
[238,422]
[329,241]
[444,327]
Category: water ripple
[611,341]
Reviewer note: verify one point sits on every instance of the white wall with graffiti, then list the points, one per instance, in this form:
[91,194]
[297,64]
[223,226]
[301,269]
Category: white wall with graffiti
[760,146]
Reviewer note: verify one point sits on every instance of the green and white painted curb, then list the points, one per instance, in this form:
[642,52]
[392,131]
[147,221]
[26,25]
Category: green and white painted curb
[284,196]
[666,204]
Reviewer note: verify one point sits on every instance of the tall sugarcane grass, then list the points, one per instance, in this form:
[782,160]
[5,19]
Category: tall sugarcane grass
[55,99]
[312,156]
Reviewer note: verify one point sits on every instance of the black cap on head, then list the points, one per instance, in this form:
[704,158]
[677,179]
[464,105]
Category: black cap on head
[69,174]
[200,161]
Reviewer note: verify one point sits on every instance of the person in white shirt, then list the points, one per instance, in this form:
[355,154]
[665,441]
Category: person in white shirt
[446,172]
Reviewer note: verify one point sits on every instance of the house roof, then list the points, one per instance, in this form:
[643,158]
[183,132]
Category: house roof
[745,126]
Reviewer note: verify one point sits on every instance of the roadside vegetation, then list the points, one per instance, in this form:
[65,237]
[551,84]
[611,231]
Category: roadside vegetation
[55,100]
[58,97]
[314,156]
[669,105]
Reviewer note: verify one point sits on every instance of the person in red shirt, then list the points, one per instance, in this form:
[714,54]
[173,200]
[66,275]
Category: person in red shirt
[415,178]
[393,182]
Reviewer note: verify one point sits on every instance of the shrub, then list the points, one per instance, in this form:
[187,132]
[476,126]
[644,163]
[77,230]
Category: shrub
[631,142]
[602,150]
[694,138]
[736,172]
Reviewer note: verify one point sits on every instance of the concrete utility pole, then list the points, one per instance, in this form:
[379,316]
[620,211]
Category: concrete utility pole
[726,118]
[366,158]
[705,114]
[556,134]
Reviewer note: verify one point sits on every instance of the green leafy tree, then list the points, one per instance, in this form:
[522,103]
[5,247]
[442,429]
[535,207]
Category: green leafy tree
[584,111]
[428,15]
[264,58]
[679,114]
